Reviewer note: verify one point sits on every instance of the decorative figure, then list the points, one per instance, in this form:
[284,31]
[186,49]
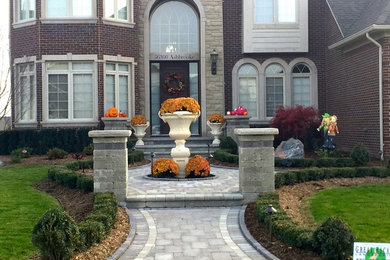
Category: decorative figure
[329,126]
[333,129]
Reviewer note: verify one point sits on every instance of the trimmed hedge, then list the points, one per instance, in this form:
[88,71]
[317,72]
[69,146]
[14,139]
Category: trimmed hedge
[225,156]
[309,162]
[294,177]
[69,178]
[135,156]
[99,222]
[40,141]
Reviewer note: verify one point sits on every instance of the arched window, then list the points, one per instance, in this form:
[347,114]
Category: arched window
[248,88]
[274,85]
[174,29]
[301,85]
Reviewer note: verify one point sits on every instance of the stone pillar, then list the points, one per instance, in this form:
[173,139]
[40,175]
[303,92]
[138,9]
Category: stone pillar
[116,123]
[256,155]
[233,122]
[110,162]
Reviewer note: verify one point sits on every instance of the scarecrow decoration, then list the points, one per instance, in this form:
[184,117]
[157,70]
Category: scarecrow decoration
[330,129]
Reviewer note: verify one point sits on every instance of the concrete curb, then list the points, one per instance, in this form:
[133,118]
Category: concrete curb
[259,248]
[129,240]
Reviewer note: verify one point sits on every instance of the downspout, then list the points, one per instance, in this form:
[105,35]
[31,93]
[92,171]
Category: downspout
[380,94]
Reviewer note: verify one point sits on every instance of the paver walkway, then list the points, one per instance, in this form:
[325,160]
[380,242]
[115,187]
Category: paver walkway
[187,233]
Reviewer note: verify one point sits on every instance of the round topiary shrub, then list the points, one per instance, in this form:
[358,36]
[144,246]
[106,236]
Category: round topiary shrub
[56,235]
[360,154]
[56,153]
[334,239]
[229,145]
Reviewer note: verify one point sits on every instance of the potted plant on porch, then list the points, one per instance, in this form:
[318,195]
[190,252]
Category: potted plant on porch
[216,122]
[139,124]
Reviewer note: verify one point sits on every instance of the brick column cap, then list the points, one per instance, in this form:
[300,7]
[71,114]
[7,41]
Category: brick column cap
[255,131]
[109,133]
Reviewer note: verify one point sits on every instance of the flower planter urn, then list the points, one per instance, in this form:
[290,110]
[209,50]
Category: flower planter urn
[179,130]
[139,132]
[216,131]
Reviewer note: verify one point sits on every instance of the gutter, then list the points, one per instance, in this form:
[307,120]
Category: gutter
[359,34]
[380,93]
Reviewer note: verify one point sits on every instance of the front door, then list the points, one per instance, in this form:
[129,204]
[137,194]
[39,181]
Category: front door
[174,80]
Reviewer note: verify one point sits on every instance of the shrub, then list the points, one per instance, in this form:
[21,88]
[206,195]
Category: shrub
[91,232]
[295,122]
[197,167]
[16,158]
[105,219]
[85,183]
[360,154]
[224,156]
[56,153]
[88,150]
[23,152]
[80,165]
[135,156]
[56,235]
[334,239]
[67,177]
[163,168]
[229,145]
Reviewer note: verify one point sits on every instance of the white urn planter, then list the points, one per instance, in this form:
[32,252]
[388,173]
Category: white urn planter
[216,131]
[139,132]
[179,130]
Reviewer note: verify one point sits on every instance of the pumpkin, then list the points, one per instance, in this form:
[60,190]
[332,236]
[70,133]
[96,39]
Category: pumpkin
[106,115]
[122,114]
[112,112]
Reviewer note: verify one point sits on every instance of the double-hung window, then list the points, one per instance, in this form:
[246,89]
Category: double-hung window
[117,86]
[119,10]
[248,88]
[25,93]
[274,88]
[69,8]
[301,85]
[70,90]
[275,11]
[24,10]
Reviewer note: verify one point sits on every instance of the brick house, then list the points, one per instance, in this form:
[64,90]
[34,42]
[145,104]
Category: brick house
[72,60]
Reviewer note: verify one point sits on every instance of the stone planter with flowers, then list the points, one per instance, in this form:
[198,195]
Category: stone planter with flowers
[216,122]
[179,113]
[139,124]
[114,120]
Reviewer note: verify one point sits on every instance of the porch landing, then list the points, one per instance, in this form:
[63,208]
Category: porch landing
[223,190]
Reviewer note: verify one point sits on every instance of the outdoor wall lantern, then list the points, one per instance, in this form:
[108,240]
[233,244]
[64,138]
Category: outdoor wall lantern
[214,58]
[270,210]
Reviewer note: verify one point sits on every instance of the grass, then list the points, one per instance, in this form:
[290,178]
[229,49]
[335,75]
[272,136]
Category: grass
[364,208]
[21,206]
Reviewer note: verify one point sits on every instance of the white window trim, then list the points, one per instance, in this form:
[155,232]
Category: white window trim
[276,23]
[70,19]
[26,22]
[131,92]
[70,58]
[119,22]
[287,84]
[20,61]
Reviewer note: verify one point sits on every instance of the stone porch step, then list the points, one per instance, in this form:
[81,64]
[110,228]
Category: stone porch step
[184,200]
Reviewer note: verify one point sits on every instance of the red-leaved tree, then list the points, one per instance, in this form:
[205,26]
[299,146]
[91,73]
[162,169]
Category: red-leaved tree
[295,122]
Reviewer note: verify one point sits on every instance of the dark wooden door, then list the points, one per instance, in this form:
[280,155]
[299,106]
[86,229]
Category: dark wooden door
[174,79]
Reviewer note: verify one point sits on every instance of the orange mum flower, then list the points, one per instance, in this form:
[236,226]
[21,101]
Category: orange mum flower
[216,118]
[180,104]
[197,167]
[164,167]
[138,120]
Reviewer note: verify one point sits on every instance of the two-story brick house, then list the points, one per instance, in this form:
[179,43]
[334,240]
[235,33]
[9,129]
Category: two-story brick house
[72,60]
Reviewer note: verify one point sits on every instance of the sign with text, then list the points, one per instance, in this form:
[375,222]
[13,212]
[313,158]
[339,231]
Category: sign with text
[371,251]
[174,56]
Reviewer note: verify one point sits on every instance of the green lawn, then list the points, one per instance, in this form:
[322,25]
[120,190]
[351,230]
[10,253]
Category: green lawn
[21,206]
[364,208]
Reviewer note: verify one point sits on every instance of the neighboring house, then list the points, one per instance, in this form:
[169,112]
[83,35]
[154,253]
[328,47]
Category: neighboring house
[5,123]
[72,60]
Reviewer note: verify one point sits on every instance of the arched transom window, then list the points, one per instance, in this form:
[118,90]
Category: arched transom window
[174,32]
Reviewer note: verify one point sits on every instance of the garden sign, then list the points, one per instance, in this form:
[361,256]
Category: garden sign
[371,251]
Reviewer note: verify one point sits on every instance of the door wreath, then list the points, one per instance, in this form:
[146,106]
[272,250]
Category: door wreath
[173,77]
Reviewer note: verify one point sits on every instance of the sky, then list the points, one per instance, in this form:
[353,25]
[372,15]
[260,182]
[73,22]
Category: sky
[4,55]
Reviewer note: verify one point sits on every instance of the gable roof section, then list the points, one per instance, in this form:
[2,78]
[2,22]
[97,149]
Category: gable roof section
[356,15]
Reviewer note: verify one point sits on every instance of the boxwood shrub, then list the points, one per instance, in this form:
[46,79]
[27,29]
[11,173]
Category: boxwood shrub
[309,162]
[135,156]
[69,178]
[225,156]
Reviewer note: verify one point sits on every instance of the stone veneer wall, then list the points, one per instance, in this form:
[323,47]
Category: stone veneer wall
[211,37]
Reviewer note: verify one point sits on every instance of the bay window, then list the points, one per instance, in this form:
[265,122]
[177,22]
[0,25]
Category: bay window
[69,8]
[24,10]
[119,10]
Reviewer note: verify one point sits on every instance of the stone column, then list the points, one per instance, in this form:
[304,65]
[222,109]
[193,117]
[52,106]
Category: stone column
[110,162]
[233,122]
[116,123]
[256,155]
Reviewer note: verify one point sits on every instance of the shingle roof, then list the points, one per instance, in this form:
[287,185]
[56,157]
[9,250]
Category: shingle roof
[355,15]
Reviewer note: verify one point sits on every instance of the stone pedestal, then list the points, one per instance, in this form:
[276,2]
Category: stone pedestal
[256,153]
[115,123]
[233,122]
[110,161]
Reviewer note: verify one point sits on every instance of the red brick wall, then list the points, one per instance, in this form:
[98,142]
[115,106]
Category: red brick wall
[232,10]
[60,39]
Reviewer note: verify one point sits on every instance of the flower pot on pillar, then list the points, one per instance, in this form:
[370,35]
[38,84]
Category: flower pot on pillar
[179,130]
[216,131]
[139,132]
